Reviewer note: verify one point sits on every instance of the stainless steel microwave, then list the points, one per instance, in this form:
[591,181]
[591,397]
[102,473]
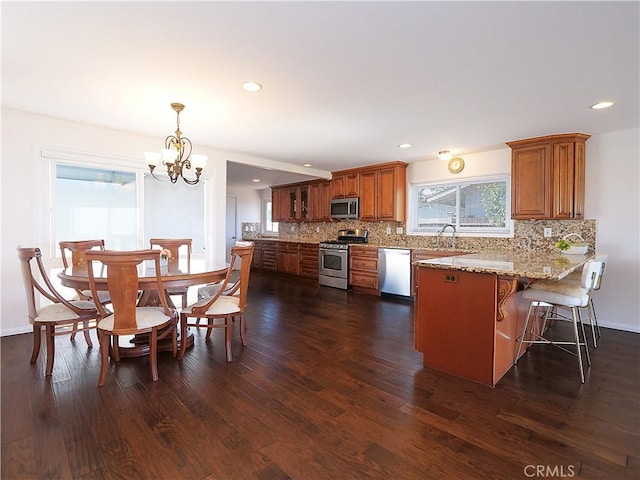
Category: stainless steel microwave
[345,207]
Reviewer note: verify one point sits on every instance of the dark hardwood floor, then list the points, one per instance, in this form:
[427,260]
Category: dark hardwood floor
[329,387]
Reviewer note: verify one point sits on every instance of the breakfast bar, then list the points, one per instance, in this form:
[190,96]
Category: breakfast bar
[469,313]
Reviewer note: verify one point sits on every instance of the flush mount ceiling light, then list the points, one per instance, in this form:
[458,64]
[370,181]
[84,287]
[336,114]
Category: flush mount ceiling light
[176,155]
[601,105]
[444,155]
[306,165]
[404,145]
[252,86]
[255,180]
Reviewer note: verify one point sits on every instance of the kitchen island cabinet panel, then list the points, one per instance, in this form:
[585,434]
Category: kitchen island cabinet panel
[456,312]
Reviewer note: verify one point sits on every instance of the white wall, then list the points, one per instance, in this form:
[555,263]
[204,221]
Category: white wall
[23,211]
[612,198]
[248,205]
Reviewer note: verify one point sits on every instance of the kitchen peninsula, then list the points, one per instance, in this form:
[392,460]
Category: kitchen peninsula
[469,313]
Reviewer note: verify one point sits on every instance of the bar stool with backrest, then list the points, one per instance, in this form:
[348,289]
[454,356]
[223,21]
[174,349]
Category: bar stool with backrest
[173,245]
[575,278]
[75,250]
[547,294]
[127,318]
[58,318]
[227,303]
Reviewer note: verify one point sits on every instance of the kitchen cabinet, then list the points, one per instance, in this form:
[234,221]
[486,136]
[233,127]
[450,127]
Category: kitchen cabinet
[256,261]
[320,201]
[363,269]
[287,257]
[383,193]
[280,208]
[269,256]
[345,185]
[300,202]
[309,260]
[548,177]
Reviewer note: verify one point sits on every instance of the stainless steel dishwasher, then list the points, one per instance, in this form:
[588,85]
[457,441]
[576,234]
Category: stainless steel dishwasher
[394,271]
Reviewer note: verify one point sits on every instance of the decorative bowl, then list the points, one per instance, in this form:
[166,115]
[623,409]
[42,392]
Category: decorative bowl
[576,249]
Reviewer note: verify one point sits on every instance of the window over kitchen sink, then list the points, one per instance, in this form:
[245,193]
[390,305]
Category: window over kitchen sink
[474,206]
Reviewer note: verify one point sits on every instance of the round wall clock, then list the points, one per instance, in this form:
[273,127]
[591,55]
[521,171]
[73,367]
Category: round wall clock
[456,165]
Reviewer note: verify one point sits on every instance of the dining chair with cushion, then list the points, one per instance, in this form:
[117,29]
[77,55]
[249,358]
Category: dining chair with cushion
[73,256]
[227,304]
[175,246]
[554,294]
[58,318]
[127,318]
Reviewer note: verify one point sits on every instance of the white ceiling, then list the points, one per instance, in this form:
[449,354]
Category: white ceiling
[344,82]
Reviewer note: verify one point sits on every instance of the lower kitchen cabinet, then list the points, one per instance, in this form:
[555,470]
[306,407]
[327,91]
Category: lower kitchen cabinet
[309,260]
[269,256]
[288,258]
[363,269]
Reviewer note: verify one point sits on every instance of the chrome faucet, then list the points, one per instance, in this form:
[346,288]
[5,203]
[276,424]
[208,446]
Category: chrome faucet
[453,236]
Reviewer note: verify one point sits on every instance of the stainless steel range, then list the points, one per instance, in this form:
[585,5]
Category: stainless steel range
[334,257]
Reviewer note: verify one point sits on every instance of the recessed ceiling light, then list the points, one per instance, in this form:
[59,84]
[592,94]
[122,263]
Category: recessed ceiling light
[306,165]
[252,86]
[255,180]
[601,105]
[444,154]
[405,145]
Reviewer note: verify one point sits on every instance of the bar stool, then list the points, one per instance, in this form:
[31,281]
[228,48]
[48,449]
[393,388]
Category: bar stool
[575,278]
[549,294]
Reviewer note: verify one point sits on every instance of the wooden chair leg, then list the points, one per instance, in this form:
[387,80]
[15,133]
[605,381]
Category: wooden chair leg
[115,348]
[51,348]
[183,336]
[105,341]
[227,336]
[174,338]
[209,330]
[87,336]
[243,330]
[153,354]
[74,330]
[37,339]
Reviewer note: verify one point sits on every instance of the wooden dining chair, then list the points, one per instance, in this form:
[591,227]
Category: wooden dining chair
[174,245]
[223,307]
[127,318]
[73,256]
[60,317]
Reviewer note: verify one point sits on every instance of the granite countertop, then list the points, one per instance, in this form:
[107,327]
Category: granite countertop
[533,265]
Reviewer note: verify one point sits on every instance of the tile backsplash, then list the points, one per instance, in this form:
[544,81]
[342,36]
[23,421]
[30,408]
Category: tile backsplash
[528,234]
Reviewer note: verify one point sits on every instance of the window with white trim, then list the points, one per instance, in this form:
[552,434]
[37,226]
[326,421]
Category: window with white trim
[269,225]
[474,206]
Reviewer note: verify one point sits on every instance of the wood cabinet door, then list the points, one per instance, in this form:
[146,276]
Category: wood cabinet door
[319,201]
[391,193]
[338,187]
[280,204]
[368,196]
[562,181]
[530,182]
[578,179]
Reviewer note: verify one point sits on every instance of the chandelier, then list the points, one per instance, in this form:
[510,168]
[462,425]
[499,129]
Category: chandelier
[176,155]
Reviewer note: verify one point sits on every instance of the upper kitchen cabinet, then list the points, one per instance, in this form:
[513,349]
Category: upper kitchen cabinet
[345,185]
[547,177]
[382,190]
[301,202]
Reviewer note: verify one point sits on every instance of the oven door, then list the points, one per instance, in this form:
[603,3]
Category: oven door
[333,262]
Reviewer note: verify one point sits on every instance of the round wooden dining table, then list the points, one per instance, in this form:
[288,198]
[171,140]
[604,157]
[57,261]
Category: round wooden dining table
[184,274]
